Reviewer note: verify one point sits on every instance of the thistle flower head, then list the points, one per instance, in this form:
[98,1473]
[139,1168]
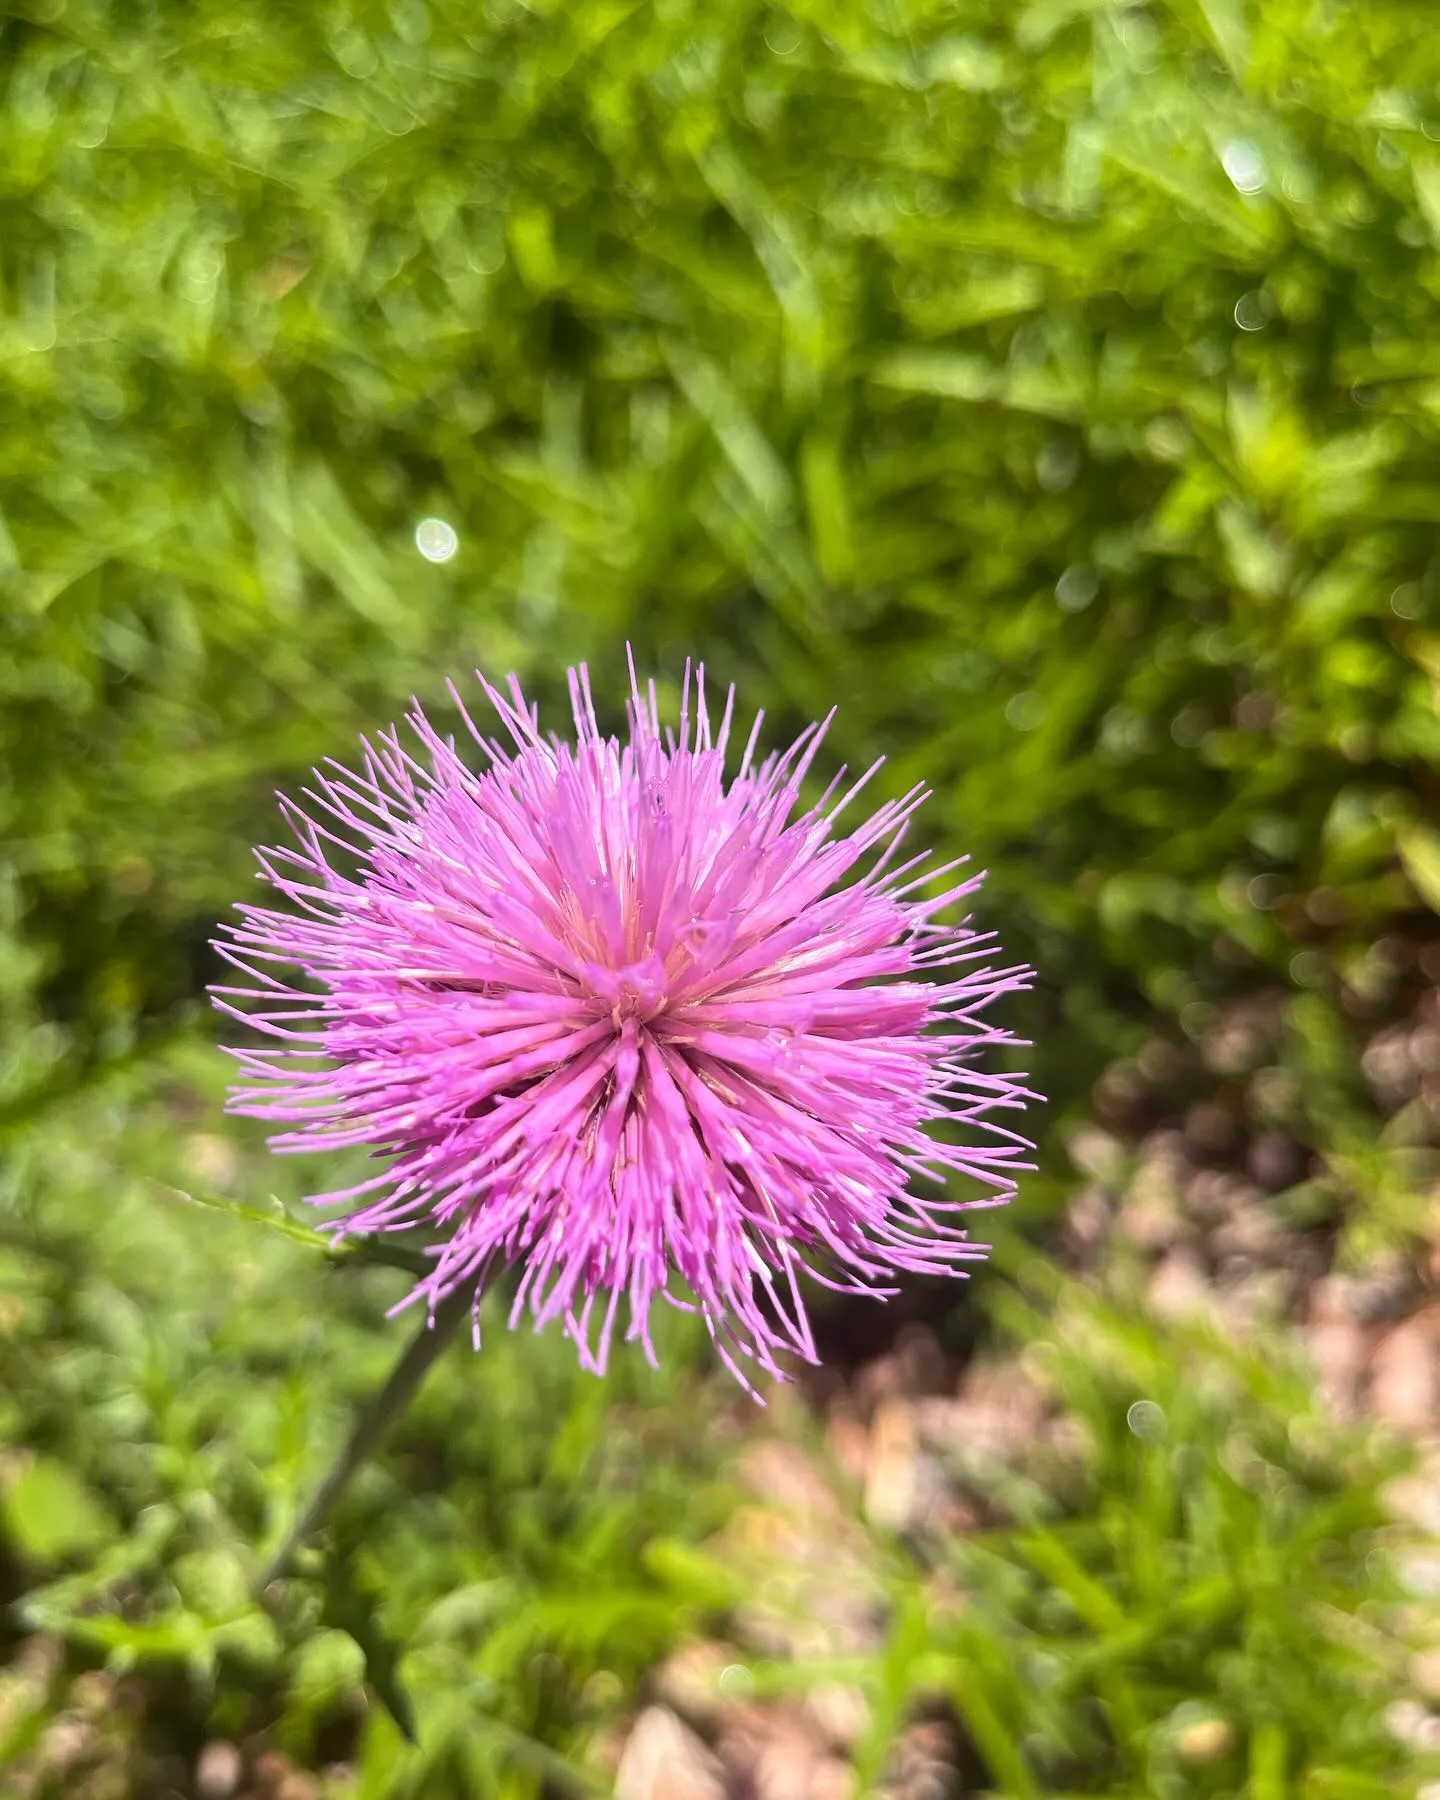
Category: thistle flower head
[642,1028]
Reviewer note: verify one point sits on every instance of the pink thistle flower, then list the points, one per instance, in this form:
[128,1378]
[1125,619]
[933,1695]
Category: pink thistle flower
[621,1021]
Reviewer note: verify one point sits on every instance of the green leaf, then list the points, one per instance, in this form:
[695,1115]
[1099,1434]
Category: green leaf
[1091,1601]
[275,1218]
[1267,1763]
[327,1665]
[51,1514]
[702,1579]
[353,1610]
[972,1692]
[1419,850]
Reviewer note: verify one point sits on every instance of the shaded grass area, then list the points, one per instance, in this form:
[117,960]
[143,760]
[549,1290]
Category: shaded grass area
[1052,387]
[178,1381]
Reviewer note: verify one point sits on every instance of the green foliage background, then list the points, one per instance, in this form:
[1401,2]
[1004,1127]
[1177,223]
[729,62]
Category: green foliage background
[1053,387]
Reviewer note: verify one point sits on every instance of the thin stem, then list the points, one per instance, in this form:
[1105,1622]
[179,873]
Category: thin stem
[372,1425]
[373,1248]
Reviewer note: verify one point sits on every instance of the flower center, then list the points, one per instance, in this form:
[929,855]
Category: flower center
[638,991]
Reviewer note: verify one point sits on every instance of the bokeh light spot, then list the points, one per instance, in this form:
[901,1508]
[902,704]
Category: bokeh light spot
[436,540]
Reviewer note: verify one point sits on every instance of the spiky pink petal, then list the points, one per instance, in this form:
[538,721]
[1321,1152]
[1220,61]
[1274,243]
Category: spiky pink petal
[614,1018]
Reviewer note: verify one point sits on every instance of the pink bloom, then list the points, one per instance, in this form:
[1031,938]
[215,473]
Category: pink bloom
[624,1022]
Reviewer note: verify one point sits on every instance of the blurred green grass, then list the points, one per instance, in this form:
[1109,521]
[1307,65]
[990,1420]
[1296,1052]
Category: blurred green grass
[930,365]
[179,1379]
[1052,387]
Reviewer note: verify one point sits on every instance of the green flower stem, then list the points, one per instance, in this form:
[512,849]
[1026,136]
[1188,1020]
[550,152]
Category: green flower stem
[373,1424]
